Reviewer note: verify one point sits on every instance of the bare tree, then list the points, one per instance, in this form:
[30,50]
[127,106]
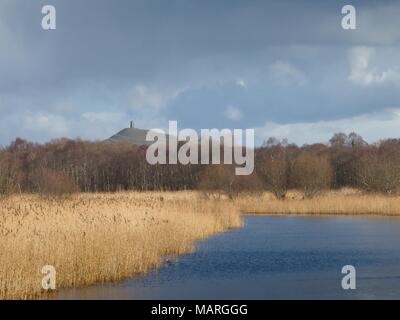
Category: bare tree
[217,180]
[108,167]
[10,173]
[379,173]
[272,167]
[312,174]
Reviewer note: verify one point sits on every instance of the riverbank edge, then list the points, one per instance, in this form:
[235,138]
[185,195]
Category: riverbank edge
[350,205]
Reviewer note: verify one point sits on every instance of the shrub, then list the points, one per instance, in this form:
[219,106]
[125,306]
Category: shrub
[55,183]
[312,174]
[379,173]
[273,171]
[10,174]
[217,180]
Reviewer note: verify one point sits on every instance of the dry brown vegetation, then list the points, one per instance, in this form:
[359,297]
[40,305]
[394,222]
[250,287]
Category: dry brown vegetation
[92,238]
[65,166]
[341,202]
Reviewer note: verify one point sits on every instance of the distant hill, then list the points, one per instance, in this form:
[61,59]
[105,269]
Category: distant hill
[131,135]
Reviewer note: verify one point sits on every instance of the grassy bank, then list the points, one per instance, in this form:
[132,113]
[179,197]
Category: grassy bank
[92,238]
[341,202]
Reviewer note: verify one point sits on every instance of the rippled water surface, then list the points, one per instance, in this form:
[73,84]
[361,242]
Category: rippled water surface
[275,258]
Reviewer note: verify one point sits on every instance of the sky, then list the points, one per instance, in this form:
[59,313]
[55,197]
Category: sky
[285,68]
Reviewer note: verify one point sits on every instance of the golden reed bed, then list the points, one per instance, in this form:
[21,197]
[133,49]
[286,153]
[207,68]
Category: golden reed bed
[91,238]
[343,202]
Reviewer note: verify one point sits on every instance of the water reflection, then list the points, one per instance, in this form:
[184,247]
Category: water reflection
[275,258]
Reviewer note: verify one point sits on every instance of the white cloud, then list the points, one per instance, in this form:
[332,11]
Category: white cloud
[45,126]
[372,127]
[361,71]
[233,113]
[285,73]
[142,97]
[104,117]
[49,124]
[241,83]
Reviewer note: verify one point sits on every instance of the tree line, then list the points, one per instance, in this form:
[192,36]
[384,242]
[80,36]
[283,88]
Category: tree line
[66,166]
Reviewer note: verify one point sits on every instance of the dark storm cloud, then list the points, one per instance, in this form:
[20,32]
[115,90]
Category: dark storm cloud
[277,61]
